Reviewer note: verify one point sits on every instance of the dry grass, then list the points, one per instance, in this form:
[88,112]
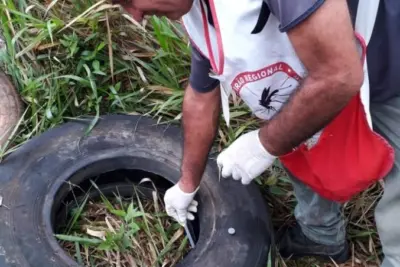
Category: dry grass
[121,232]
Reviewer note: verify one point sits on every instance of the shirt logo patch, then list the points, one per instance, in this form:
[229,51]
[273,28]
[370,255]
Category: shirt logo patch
[252,76]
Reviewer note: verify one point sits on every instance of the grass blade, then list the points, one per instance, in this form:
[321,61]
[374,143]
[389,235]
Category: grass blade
[80,240]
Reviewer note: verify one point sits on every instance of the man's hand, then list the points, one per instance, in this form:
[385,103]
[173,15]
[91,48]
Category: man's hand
[245,159]
[180,205]
[326,45]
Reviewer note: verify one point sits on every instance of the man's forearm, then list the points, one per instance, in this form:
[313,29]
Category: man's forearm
[200,122]
[314,105]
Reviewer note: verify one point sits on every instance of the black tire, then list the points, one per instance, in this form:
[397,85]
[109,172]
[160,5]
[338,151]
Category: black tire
[32,176]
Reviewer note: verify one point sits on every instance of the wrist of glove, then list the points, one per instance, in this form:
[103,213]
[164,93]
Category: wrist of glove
[245,159]
[180,205]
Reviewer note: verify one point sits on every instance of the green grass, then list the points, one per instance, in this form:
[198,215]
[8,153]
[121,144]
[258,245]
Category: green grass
[70,58]
[120,231]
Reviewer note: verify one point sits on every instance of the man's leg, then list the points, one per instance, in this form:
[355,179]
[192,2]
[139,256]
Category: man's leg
[320,229]
[386,119]
[321,220]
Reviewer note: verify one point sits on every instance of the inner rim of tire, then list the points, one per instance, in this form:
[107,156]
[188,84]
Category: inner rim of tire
[107,173]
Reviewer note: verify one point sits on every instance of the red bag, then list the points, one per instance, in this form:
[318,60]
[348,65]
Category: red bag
[348,158]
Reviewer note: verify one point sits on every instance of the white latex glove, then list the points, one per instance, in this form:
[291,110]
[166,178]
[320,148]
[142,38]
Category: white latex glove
[180,205]
[245,159]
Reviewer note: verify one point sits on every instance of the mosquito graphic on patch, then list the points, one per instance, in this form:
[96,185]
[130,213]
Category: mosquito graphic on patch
[270,88]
